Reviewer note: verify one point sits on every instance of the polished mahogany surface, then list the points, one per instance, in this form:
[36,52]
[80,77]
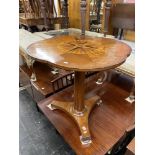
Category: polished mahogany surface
[107,122]
[80,53]
[131,148]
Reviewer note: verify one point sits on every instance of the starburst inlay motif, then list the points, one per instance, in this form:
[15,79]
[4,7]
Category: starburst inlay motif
[83,46]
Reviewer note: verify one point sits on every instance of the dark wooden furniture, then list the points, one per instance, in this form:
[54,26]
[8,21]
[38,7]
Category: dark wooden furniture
[81,54]
[41,12]
[29,22]
[119,17]
[131,148]
[120,147]
[107,122]
[47,83]
[123,18]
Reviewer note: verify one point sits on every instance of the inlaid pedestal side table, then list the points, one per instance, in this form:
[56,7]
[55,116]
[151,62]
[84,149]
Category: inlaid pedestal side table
[80,54]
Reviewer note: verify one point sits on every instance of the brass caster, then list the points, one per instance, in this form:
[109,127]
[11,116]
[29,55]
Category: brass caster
[51,107]
[77,113]
[99,81]
[99,102]
[102,79]
[33,77]
[55,71]
[85,140]
[70,78]
[130,99]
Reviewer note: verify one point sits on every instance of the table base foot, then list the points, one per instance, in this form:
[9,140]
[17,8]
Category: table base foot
[85,140]
[33,77]
[81,118]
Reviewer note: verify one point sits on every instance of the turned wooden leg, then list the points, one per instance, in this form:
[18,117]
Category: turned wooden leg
[33,76]
[79,89]
[83,4]
[30,63]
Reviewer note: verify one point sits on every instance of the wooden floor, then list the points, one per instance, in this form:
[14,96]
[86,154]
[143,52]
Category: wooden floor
[107,122]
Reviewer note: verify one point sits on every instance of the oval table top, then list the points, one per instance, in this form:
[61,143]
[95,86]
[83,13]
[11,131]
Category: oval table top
[80,53]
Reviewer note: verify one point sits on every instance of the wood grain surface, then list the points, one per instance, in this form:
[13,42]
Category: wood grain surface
[131,148]
[80,53]
[107,122]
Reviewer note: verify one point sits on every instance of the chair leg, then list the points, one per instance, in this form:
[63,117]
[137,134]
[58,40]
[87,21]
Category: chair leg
[110,74]
[131,97]
[30,29]
[132,93]
[38,109]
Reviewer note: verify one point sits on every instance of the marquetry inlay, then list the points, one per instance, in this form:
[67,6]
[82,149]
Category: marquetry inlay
[80,53]
[80,47]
